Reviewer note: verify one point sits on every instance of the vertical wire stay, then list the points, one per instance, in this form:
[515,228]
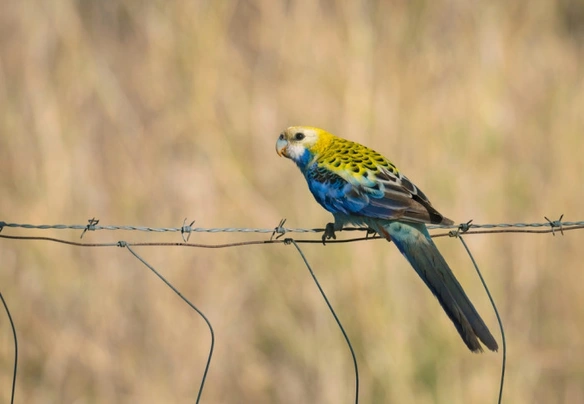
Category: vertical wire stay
[15,348]
[204,378]
[288,241]
[504,343]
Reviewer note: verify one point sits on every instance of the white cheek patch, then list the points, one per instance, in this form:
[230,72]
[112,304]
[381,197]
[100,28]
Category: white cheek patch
[295,151]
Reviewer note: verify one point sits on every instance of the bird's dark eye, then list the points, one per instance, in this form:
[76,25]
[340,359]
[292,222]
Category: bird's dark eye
[281,137]
[299,136]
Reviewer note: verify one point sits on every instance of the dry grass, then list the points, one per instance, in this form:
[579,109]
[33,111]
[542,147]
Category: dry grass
[149,112]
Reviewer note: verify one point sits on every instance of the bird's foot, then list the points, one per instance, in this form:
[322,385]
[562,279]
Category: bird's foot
[329,232]
[370,232]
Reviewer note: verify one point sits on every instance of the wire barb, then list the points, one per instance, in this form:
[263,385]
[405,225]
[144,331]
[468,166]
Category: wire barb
[461,229]
[90,225]
[556,223]
[280,230]
[186,229]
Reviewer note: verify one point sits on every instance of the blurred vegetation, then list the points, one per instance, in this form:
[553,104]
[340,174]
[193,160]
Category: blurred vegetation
[146,113]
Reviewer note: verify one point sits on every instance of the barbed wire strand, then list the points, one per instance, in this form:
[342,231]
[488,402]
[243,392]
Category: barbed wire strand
[15,349]
[290,240]
[502,228]
[123,244]
[187,230]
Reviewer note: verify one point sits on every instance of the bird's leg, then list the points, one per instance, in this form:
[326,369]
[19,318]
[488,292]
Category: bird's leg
[329,232]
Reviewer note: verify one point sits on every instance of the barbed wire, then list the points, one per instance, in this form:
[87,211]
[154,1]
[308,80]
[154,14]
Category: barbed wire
[550,226]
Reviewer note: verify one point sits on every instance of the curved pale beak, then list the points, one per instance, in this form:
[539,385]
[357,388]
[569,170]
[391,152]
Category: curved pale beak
[281,146]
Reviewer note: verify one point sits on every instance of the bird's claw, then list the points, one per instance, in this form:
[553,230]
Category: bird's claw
[370,232]
[329,232]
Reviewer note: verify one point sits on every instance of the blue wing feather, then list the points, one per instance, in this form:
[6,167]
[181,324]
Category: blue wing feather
[333,192]
[337,195]
[380,195]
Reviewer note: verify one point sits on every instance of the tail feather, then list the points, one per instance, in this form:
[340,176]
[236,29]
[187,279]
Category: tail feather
[414,242]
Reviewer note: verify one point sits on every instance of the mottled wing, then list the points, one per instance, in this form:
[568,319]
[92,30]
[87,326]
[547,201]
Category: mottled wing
[377,193]
[399,199]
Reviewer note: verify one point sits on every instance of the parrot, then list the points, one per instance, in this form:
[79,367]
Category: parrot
[360,187]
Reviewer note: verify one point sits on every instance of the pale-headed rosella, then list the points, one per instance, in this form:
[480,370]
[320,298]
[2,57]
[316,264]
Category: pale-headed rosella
[361,187]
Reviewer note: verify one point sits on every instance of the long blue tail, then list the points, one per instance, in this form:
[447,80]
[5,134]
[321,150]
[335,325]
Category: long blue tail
[414,242]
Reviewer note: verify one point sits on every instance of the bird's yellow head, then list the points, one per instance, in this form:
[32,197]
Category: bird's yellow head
[302,143]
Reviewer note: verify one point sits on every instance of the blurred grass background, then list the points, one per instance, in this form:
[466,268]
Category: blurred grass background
[145,113]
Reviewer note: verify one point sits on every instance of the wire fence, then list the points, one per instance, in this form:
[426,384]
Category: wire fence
[277,234]
[93,225]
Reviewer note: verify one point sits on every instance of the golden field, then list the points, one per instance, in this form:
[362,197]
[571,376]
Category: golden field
[144,113]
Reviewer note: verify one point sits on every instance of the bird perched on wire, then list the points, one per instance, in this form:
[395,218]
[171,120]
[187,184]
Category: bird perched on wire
[361,187]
